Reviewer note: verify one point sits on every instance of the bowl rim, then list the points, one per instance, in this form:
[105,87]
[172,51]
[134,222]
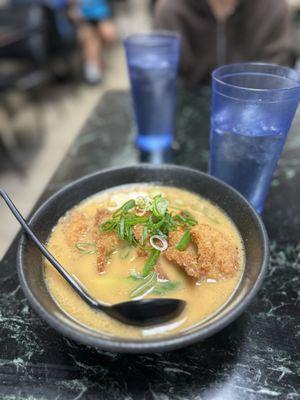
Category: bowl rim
[162,343]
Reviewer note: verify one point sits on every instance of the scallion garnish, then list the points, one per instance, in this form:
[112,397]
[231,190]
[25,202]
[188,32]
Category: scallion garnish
[184,241]
[156,223]
[159,206]
[121,228]
[150,283]
[142,202]
[163,287]
[145,286]
[86,247]
[134,276]
[159,242]
[144,236]
[125,208]
[108,225]
[185,218]
[151,261]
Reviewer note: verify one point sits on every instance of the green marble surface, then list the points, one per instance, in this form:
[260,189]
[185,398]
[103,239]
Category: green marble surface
[256,357]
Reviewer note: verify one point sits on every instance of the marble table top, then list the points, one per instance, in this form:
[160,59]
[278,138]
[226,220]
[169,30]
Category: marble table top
[256,357]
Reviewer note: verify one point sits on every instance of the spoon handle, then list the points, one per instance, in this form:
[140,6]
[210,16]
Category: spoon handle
[72,281]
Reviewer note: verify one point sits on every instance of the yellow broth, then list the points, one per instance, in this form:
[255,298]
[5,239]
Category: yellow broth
[203,298]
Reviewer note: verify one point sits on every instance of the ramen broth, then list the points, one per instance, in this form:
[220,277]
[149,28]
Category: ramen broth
[203,297]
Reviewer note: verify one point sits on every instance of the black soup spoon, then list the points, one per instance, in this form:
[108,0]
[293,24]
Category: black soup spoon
[143,312]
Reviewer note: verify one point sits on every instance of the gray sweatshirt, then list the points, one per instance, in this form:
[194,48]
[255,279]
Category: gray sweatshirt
[258,30]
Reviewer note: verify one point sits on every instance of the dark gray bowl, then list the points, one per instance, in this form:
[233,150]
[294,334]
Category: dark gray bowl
[30,262]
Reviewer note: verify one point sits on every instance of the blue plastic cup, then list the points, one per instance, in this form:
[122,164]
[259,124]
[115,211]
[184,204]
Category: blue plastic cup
[152,61]
[253,105]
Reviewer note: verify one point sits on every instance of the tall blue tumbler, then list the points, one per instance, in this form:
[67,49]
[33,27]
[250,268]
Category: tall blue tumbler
[152,64]
[253,105]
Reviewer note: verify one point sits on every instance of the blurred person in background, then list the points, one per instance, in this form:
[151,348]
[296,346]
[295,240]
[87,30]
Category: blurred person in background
[216,32]
[95,30]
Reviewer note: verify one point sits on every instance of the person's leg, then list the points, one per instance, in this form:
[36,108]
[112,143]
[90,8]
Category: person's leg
[107,35]
[91,50]
[107,31]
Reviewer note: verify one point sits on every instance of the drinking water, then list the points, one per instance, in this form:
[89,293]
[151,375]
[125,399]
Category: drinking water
[246,159]
[153,91]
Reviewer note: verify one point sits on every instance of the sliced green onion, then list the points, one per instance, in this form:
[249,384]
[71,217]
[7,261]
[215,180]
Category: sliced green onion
[170,223]
[134,276]
[86,247]
[184,241]
[160,233]
[191,222]
[159,224]
[129,234]
[144,235]
[186,213]
[124,208]
[109,225]
[151,283]
[121,228]
[151,261]
[135,219]
[159,206]
[186,219]
[163,244]
[147,283]
[163,287]
[180,218]
[142,202]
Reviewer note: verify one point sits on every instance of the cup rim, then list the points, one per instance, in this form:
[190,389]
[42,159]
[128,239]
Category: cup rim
[136,38]
[219,79]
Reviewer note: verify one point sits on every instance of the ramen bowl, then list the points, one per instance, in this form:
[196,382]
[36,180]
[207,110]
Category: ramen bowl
[248,223]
